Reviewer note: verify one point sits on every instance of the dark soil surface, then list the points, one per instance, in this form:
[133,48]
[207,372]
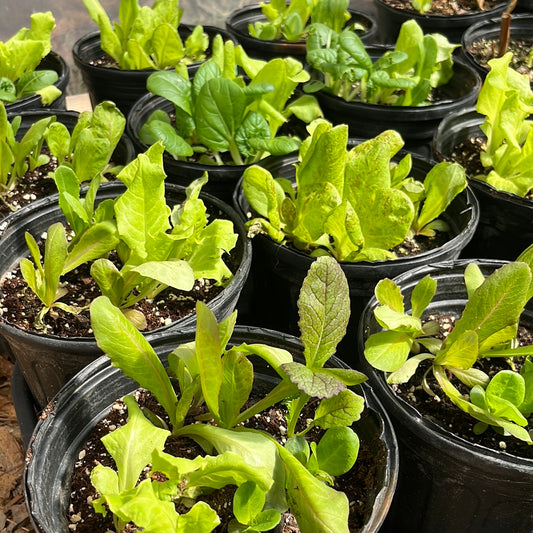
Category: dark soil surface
[485,49]
[359,483]
[467,155]
[19,305]
[443,412]
[445,7]
[33,185]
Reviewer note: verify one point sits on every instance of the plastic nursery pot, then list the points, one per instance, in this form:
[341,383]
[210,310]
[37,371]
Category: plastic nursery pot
[505,226]
[222,178]
[452,26]
[416,124]
[87,398]
[524,6]
[48,361]
[489,30]
[124,87]
[278,270]
[447,483]
[55,62]
[238,21]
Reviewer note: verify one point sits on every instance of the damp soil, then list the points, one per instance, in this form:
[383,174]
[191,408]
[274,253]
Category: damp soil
[19,306]
[486,49]
[467,154]
[446,7]
[358,484]
[440,410]
[35,184]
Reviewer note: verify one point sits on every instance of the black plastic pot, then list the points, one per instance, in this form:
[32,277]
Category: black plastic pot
[416,124]
[278,270]
[524,6]
[60,435]
[505,226]
[48,361]
[124,87]
[55,62]
[452,26]
[521,28]
[222,179]
[447,483]
[238,21]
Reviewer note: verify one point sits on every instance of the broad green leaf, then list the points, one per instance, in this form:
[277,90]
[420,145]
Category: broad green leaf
[316,506]
[312,381]
[337,450]
[495,305]
[173,87]
[167,46]
[95,242]
[218,113]
[388,350]
[229,468]
[462,353]
[342,409]
[177,274]
[130,351]
[408,369]
[131,445]
[442,183]
[422,294]
[237,382]
[108,279]
[141,212]
[201,518]
[473,278]
[208,353]
[263,193]
[506,385]
[248,502]
[324,309]
[389,294]
[400,322]
[256,449]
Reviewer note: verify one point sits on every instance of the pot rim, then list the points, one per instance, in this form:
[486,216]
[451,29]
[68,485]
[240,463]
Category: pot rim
[254,10]
[93,38]
[499,7]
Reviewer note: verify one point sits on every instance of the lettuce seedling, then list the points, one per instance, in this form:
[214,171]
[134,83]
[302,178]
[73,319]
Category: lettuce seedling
[208,372]
[487,328]
[96,132]
[19,157]
[219,113]
[139,443]
[157,247]
[291,20]
[506,101]
[355,205]
[19,58]
[147,37]
[404,76]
